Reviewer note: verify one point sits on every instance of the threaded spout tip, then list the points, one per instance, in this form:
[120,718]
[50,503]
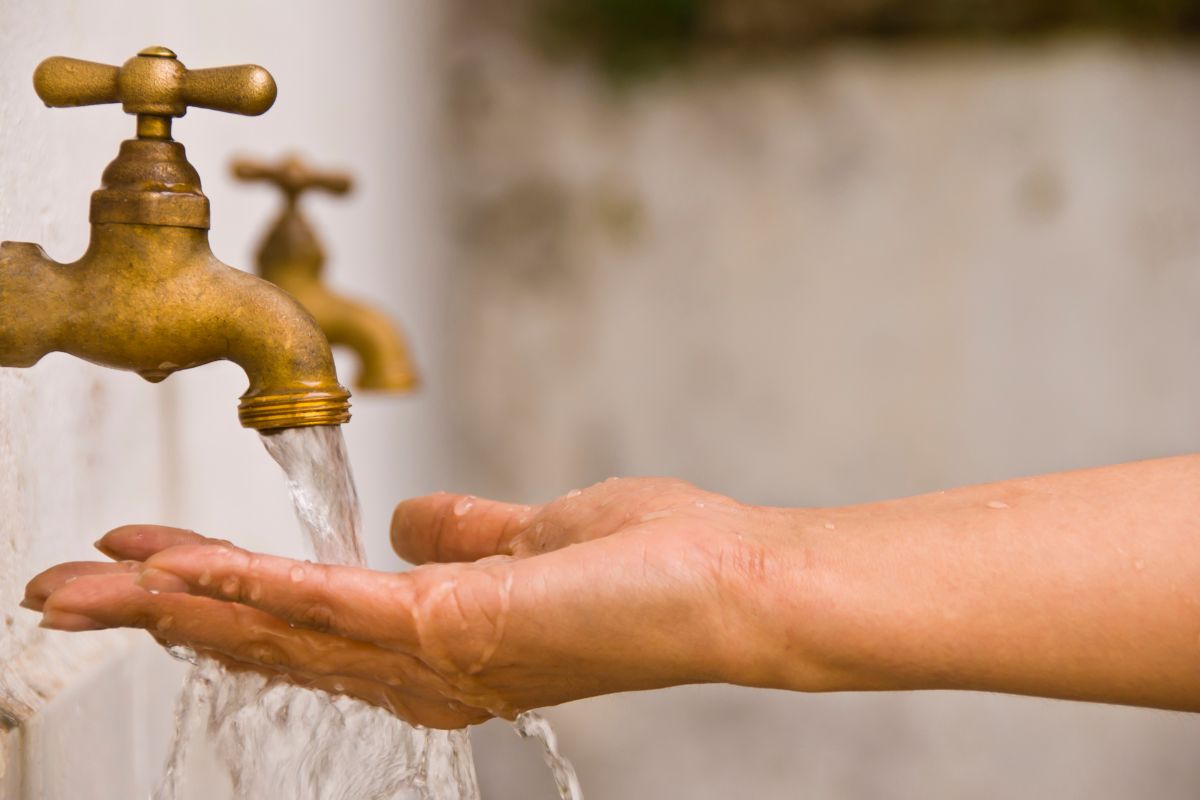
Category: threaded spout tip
[295,410]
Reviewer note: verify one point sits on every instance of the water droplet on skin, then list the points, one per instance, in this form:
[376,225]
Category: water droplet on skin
[338,687]
[829,526]
[997,504]
[463,506]
[164,623]
[229,585]
[653,515]
[1139,564]
[699,505]
[256,592]
[574,493]
[297,574]
[205,578]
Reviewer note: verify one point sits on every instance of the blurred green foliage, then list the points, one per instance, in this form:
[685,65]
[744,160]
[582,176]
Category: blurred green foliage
[630,37]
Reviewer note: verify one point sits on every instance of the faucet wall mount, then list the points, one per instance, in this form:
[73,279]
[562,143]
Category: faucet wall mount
[148,295]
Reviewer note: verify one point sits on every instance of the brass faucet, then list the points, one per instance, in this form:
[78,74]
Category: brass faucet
[149,295]
[292,258]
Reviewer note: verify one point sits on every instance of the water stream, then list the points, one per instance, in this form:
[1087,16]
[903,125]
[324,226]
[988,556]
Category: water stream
[279,740]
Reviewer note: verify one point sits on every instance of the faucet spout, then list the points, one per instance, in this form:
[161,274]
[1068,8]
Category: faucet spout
[154,300]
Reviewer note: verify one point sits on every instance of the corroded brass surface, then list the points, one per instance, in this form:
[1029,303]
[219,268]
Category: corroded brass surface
[292,257]
[149,295]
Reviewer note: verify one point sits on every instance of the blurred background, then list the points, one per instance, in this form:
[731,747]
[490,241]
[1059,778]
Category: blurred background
[822,253]
[800,253]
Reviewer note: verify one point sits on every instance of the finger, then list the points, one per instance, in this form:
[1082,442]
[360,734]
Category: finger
[44,583]
[139,542]
[450,527]
[243,634]
[347,601]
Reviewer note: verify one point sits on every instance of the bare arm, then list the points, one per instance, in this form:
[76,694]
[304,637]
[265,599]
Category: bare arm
[1082,585]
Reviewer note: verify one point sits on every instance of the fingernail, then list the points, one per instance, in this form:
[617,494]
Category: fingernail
[27,603]
[67,621]
[155,580]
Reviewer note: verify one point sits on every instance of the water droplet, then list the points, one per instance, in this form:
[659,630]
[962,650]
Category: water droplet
[164,623]
[574,493]
[229,585]
[256,592]
[339,687]
[463,506]
[205,578]
[297,574]
[1139,564]
[699,505]
[997,504]
[829,526]
[181,652]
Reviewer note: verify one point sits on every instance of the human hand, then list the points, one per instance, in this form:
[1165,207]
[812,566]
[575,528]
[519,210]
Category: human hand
[630,584]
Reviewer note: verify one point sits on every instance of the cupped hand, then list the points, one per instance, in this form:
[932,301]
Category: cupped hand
[630,584]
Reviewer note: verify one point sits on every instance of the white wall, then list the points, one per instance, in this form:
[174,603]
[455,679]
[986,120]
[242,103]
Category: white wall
[83,449]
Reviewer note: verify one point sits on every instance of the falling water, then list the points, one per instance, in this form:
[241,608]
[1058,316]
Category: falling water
[280,740]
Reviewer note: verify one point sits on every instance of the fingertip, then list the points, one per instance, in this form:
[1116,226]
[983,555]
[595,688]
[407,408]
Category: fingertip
[417,523]
[66,621]
[139,541]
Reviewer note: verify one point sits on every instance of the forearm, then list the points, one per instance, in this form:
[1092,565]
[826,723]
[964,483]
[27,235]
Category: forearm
[1081,585]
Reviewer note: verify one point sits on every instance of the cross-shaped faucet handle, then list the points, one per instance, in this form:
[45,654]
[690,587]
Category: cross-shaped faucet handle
[154,84]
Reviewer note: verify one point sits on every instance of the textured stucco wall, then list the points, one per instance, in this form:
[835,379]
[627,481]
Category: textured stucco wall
[854,275]
[83,449]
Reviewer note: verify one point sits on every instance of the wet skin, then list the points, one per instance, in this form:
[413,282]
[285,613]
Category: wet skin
[1081,585]
[513,622]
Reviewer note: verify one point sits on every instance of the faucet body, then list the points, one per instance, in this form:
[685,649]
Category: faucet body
[292,258]
[154,300]
[149,296]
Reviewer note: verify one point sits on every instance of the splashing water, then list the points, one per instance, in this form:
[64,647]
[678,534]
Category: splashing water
[534,725]
[280,740]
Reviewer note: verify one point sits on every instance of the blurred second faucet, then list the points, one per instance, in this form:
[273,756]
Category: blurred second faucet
[292,258]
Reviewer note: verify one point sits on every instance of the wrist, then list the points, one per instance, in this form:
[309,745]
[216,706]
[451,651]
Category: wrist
[806,626]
